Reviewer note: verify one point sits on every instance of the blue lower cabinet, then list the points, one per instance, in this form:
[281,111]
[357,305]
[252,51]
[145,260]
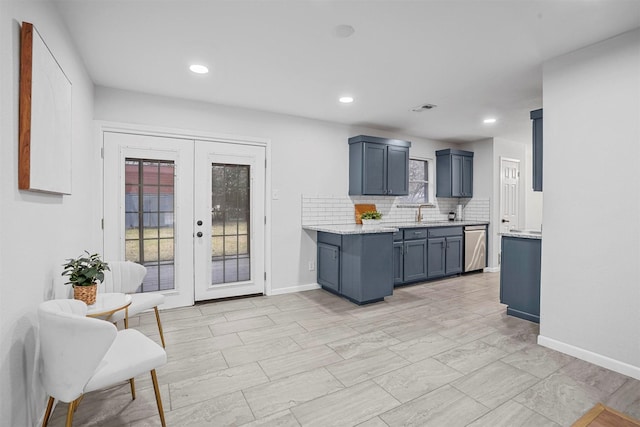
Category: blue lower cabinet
[364,265]
[520,277]
[398,263]
[436,257]
[329,266]
[415,260]
[453,255]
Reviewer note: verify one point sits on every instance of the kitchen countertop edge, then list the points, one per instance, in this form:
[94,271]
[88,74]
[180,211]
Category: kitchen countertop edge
[386,227]
[523,235]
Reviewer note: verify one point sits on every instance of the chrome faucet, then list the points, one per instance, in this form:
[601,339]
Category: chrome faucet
[419,216]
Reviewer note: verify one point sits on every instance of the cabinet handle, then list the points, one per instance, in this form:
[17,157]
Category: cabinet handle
[335,254]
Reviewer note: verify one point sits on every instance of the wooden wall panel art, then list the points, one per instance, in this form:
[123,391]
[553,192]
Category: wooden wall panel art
[44,157]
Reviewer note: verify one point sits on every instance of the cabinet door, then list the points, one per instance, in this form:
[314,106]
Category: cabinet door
[397,170]
[453,255]
[456,175]
[398,261]
[415,260]
[467,176]
[374,169]
[435,257]
[329,266]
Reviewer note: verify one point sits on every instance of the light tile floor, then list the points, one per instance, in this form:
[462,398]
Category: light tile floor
[441,353]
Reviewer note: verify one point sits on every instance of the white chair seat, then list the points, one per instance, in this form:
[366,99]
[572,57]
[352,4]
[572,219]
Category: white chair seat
[139,303]
[79,354]
[121,363]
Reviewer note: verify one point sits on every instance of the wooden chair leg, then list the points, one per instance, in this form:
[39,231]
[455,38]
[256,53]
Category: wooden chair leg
[133,388]
[159,325]
[47,413]
[154,378]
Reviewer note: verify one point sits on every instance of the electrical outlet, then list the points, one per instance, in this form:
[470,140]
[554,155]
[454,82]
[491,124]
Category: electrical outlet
[312,265]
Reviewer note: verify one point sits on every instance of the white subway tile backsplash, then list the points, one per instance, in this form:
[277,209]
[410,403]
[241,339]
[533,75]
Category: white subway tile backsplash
[332,209]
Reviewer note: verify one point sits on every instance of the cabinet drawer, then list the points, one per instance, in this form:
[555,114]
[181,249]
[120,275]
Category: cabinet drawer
[330,238]
[397,236]
[415,233]
[445,231]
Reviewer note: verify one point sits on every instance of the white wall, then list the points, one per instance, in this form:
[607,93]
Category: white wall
[590,294]
[38,231]
[308,157]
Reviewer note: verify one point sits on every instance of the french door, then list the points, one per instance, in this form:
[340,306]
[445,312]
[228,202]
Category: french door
[229,220]
[191,211]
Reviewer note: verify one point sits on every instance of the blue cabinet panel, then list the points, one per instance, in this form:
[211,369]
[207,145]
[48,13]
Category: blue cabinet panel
[536,117]
[453,255]
[435,257]
[374,169]
[415,260]
[329,266]
[398,261]
[520,277]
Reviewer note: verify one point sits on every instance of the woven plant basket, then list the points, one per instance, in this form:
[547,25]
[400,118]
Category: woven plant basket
[85,293]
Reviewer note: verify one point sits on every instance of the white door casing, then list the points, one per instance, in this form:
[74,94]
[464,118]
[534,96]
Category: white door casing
[509,194]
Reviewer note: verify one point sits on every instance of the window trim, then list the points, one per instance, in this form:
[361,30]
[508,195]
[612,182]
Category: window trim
[430,186]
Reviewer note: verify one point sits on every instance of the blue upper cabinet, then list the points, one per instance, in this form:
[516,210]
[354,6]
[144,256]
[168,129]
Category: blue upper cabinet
[378,166]
[454,173]
[536,117]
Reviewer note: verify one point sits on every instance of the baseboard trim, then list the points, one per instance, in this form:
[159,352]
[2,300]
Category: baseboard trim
[292,289]
[591,357]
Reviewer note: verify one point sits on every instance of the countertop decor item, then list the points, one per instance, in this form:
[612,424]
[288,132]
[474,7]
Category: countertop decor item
[371,218]
[361,208]
[84,273]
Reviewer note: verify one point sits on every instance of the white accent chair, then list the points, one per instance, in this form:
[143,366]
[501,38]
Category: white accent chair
[126,277]
[79,354]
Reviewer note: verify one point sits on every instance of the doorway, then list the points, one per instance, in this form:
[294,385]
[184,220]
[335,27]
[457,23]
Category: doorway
[191,211]
[509,194]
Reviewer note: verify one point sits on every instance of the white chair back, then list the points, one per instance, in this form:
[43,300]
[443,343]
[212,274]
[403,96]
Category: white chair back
[124,276]
[71,347]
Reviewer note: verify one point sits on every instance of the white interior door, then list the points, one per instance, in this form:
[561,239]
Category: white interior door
[229,220]
[148,210]
[509,194]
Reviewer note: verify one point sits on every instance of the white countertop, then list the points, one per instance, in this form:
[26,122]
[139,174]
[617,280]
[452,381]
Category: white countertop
[386,227]
[524,234]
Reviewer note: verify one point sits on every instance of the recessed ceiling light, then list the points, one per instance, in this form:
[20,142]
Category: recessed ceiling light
[346,99]
[199,69]
[489,120]
[343,31]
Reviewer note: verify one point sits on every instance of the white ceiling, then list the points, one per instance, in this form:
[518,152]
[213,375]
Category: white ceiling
[472,58]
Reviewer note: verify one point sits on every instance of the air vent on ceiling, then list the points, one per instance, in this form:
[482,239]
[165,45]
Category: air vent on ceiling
[423,107]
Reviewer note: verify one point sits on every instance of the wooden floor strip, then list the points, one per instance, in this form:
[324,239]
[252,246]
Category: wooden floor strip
[603,416]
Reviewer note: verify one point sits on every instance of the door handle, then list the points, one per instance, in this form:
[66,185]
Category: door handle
[505,220]
[199,234]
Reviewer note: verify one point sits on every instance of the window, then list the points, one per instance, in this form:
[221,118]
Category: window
[420,187]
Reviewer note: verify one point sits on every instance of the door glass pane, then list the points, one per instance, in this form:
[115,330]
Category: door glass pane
[149,220]
[230,213]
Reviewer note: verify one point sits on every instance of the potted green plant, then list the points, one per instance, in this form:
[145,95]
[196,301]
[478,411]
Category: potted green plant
[371,217]
[84,273]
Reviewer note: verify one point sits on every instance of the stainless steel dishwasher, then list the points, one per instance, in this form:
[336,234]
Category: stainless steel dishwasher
[475,247]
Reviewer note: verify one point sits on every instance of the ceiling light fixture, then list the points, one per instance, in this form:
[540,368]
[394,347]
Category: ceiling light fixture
[346,99]
[489,120]
[199,69]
